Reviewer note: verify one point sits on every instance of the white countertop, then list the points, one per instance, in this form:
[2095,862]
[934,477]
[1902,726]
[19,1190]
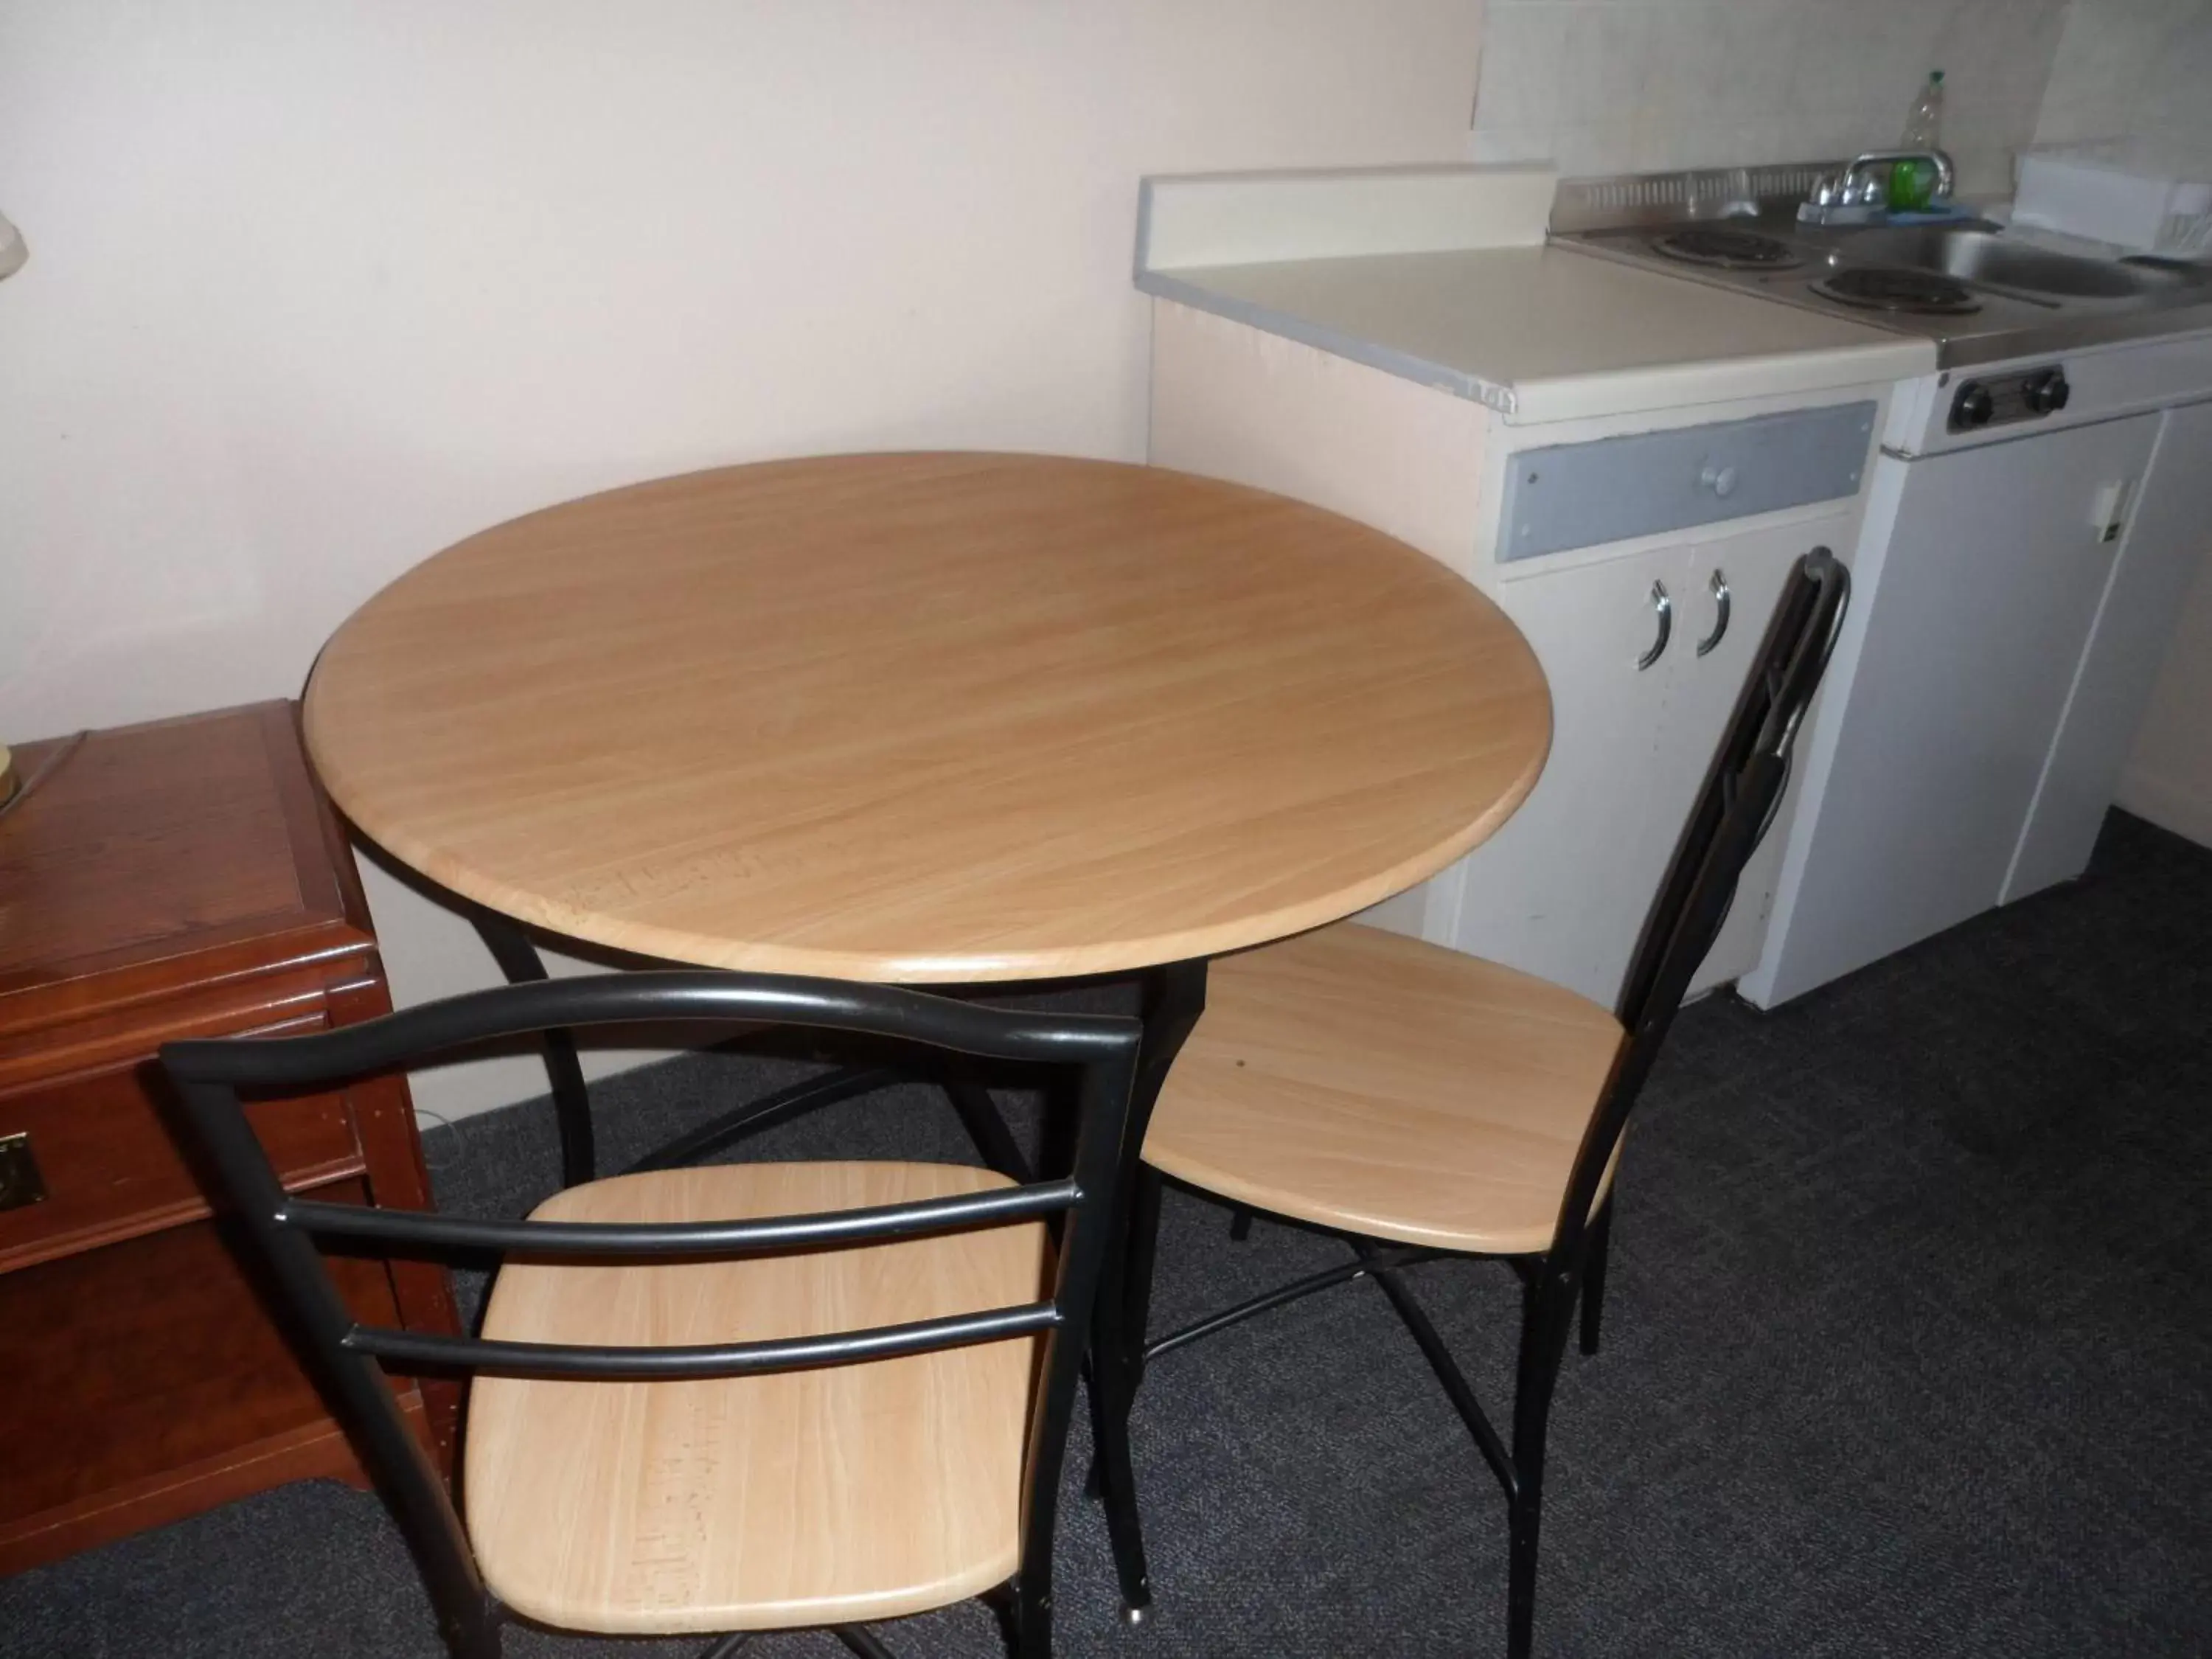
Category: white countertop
[1544,333]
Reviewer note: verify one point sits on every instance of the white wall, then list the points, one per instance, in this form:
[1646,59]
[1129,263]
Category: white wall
[2138,73]
[1638,85]
[317,288]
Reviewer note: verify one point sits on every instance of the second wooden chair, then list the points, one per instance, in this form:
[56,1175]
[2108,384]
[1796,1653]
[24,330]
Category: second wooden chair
[1423,1103]
[728,1399]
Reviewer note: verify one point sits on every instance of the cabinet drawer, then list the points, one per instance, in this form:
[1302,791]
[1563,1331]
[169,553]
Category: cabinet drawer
[110,1164]
[1647,484]
[119,1364]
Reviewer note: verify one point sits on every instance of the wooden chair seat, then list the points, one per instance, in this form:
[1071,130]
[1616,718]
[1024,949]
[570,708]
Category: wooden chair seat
[830,1496]
[1361,1080]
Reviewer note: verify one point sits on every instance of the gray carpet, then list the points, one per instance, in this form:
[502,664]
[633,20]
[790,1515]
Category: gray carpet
[1909,1352]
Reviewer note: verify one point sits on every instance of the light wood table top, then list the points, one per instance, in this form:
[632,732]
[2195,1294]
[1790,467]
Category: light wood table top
[929,717]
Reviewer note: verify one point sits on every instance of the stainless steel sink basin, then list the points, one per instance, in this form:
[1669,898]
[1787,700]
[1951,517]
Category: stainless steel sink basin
[1979,255]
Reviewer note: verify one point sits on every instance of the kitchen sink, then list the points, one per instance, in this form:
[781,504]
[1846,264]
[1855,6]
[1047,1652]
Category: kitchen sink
[1979,255]
[1984,293]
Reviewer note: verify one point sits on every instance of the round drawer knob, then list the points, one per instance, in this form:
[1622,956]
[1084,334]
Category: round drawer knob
[1721,480]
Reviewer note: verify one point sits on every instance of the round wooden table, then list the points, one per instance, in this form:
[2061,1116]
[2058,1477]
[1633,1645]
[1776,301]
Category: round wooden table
[932,718]
[928,717]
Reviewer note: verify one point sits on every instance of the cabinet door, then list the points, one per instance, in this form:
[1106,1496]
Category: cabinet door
[2158,554]
[1754,567]
[1561,889]
[1992,574]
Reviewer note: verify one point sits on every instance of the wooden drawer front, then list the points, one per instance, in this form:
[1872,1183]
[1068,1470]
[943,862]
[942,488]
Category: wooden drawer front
[151,1355]
[108,1153]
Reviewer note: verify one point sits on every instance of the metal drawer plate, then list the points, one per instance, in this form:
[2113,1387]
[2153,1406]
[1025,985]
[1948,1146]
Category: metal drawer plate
[1645,483]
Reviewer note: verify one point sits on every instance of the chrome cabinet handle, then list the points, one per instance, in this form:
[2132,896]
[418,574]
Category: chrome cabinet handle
[1663,608]
[1720,613]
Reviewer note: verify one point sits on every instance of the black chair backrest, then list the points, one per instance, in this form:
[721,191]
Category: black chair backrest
[1098,1052]
[1741,795]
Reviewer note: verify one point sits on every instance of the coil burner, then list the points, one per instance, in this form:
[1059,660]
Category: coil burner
[1885,288]
[1726,249]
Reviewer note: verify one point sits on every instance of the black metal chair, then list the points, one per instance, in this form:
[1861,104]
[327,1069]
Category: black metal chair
[1424,1104]
[726,1399]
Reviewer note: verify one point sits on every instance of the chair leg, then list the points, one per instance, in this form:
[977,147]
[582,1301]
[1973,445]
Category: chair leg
[726,1647]
[1027,1618]
[1009,1605]
[1548,1314]
[1447,1373]
[1599,1241]
[1117,1370]
[479,1636]
[859,1639]
[1117,1482]
[1149,1186]
[1240,1224]
[1174,997]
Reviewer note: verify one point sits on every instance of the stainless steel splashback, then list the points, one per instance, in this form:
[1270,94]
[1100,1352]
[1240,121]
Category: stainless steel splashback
[1671,198]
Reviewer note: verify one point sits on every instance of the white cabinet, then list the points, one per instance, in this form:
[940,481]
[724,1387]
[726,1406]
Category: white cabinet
[1582,854]
[2160,550]
[1995,568]
[1562,889]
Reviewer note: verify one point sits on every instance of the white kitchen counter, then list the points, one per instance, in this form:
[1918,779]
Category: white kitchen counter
[1546,333]
[1441,277]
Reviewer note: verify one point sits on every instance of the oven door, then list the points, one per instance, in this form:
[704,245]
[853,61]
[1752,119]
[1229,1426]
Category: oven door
[1983,572]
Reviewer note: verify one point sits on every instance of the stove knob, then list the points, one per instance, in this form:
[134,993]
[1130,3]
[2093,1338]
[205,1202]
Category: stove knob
[1973,407]
[2047,393]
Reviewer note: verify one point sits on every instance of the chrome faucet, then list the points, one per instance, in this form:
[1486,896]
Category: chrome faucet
[1855,196]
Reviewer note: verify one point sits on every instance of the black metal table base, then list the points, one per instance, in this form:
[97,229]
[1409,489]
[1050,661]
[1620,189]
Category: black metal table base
[1173,998]
[518,960]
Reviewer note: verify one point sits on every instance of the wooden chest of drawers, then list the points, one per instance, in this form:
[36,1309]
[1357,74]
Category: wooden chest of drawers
[181,878]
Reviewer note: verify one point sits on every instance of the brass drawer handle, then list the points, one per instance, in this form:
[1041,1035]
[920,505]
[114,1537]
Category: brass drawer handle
[20,1183]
